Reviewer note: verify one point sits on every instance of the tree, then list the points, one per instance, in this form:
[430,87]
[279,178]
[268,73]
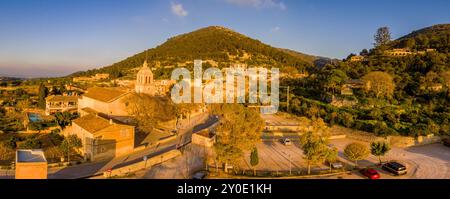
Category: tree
[381,84]
[23,104]
[63,119]
[332,156]
[382,36]
[356,151]
[314,143]
[186,109]
[238,131]
[43,92]
[69,144]
[31,142]
[379,149]
[254,159]
[149,111]
[6,153]
[364,52]
[335,79]
[347,119]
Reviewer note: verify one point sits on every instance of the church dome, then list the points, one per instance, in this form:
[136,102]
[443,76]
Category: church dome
[145,70]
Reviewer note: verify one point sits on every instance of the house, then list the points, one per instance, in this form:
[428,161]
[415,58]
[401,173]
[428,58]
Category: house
[162,87]
[205,138]
[102,137]
[435,87]
[59,103]
[100,76]
[108,100]
[399,52]
[349,85]
[428,50]
[356,58]
[31,164]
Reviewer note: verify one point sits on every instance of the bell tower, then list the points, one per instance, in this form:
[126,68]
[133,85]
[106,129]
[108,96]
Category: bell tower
[144,80]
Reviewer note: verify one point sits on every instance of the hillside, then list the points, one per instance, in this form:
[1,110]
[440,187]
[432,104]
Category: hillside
[386,95]
[219,46]
[437,37]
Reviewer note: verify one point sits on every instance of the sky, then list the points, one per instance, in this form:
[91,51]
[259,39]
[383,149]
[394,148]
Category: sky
[42,38]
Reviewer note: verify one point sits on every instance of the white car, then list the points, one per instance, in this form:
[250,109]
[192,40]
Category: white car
[337,165]
[287,141]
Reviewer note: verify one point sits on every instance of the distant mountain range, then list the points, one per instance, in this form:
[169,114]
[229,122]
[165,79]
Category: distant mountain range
[4,78]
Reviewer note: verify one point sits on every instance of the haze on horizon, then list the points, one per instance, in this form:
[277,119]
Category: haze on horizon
[56,38]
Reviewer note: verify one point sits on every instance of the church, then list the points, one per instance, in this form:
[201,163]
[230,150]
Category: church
[112,100]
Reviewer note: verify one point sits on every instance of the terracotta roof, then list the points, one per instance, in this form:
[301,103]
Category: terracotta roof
[105,94]
[59,98]
[96,124]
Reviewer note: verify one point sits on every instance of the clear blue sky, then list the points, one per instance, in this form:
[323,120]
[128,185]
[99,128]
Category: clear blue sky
[57,37]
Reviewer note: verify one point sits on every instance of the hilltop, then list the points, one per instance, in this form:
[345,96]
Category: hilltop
[437,37]
[216,45]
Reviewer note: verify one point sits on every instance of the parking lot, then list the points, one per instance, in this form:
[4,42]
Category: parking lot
[422,162]
[275,156]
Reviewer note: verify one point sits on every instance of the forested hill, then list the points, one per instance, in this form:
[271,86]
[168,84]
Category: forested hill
[437,37]
[220,45]
[384,93]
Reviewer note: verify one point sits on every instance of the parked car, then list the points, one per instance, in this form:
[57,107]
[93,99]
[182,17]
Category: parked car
[395,168]
[446,142]
[200,175]
[337,165]
[370,173]
[287,141]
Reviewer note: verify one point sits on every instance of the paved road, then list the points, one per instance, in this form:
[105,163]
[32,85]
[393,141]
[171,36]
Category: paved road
[97,168]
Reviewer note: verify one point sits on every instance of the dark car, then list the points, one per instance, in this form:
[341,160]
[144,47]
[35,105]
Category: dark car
[395,168]
[446,142]
[370,173]
[200,175]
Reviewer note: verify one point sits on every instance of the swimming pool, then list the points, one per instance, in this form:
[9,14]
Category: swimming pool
[33,117]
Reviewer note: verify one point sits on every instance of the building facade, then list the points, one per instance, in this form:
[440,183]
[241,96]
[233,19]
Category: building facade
[59,103]
[144,80]
[101,137]
[110,101]
[30,164]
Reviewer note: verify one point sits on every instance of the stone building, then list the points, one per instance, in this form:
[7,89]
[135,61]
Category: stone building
[204,138]
[59,103]
[102,137]
[107,100]
[144,80]
[30,164]
[356,58]
[399,52]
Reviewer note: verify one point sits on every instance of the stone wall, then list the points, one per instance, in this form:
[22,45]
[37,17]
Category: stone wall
[122,171]
[396,141]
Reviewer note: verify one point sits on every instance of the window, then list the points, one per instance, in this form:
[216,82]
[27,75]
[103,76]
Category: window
[124,133]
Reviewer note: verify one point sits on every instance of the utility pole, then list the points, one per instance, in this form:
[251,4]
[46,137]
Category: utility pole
[290,164]
[287,96]
[287,102]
